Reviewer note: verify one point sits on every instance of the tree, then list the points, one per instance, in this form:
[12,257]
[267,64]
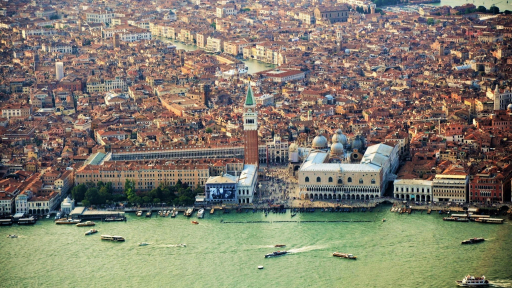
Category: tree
[494,10]
[214,25]
[507,12]
[208,130]
[481,9]
[78,192]
[92,195]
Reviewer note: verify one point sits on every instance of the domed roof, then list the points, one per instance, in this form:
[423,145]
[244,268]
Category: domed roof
[509,107]
[319,142]
[357,143]
[293,147]
[339,137]
[337,149]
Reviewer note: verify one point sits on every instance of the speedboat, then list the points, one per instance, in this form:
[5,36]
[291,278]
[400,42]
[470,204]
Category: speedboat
[195,222]
[260,267]
[48,216]
[279,245]
[88,223]
[473,241]
[12,236]
[344,255]
[143,244]
[276,253]
[189,212]
[139,213]
[90,232]
[200,213]
[472,281]
[174,213]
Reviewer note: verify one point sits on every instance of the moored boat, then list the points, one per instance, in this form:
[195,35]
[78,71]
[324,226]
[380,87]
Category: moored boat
[472,281]
[212,211]
[87,223]
[174,213]
[139,213]
[90,232]
[112,238]
[148,214]
[276,253]
[67,221]
[344,255]
[456,219]
[200,213]
[473,241]
[189,212]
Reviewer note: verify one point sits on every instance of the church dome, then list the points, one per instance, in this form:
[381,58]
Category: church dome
[509,107]
[337,149]
[319,142]
[339,137]
[357,143]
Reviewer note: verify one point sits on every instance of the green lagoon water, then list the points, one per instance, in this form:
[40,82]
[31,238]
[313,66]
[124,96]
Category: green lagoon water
[416,250]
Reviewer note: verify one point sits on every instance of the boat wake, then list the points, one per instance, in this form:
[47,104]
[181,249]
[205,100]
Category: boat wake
[501,283]
[306,249]
[175,245]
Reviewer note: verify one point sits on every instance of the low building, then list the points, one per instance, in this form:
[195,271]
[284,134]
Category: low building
[67,205]
[413,189]
[451,187]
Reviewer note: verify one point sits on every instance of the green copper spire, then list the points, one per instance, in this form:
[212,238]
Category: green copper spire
[249,101]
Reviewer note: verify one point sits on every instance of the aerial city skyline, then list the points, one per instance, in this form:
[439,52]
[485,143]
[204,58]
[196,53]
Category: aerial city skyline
[397,114]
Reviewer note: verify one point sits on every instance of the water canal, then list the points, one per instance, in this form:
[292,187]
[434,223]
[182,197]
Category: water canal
[416,250]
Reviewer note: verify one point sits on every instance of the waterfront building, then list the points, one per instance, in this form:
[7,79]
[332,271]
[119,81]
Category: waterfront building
[491,185]
[451,186]
[232,189]
[328,174]
[413,189]
[250,129]
[67,205]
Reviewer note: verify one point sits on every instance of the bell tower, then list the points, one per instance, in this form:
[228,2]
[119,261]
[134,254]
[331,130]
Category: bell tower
[250,129]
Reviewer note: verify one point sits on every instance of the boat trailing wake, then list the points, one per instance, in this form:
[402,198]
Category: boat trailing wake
[501,283]
[306,249]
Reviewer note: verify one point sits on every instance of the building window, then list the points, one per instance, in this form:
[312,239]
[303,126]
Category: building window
[330,179]
[340,181]
[318,179]
[373,181]
[349,180]
[361,181]
[307,179]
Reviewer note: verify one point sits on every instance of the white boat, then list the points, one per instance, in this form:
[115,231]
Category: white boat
[260,267]
[12,236]
[200,213]
[189,212]
[48,216]
[143,244]
[57,216]
[112,238]
[90,232]
[472,281]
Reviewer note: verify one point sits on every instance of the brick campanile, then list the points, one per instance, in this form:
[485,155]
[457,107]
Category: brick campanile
[250,129]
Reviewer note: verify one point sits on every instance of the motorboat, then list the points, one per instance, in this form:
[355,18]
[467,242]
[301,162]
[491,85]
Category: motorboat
[90,232]
[48,216]
[112,238]
[174,213]
[83,224]
[212,211]
[67,221]
[189,212]
[12,236]
[344,255]
[143,244]
[279,245]
[58,216]
[473,241]
[148,214]
[276,253]
[139,213]
[472,281]
[195,222]
[200,213]
[383,220]
[260,267]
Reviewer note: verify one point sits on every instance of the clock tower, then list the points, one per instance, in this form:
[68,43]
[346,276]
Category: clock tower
[250,129]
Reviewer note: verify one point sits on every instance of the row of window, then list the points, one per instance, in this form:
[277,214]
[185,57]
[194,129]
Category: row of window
[340,181]
[412,189]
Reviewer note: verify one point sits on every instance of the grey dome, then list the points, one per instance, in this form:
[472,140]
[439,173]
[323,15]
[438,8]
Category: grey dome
[319,142]
[357,143]
[337,149]
[509,107]
[339,137]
